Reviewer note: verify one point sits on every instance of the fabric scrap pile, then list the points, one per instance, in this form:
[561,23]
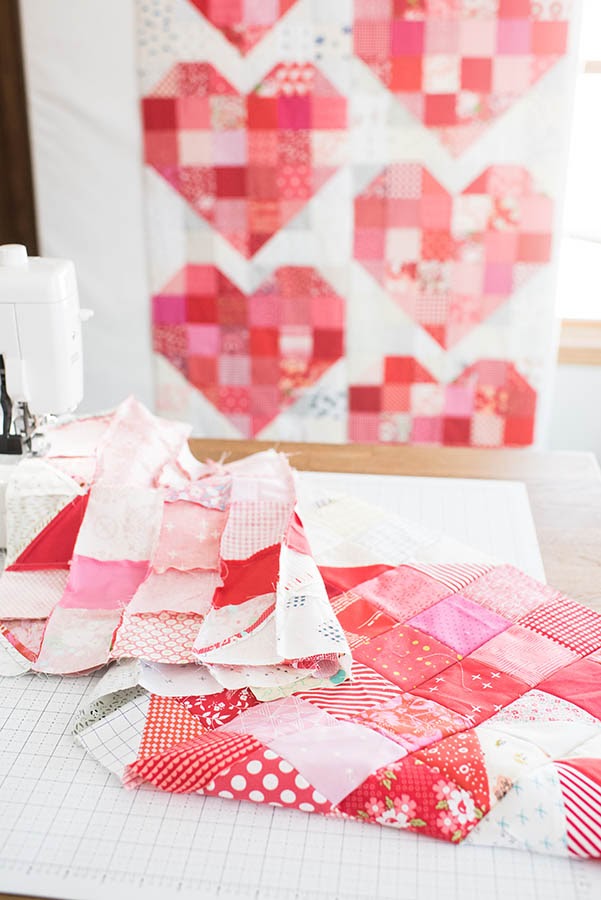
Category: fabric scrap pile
[308,651]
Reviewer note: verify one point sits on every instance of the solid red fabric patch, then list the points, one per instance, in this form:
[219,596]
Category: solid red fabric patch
[343,579]
[360,619]
[578,683]
[53,547]
[248,578]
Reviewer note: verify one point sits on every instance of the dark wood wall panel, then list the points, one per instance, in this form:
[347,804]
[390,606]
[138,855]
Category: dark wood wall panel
[17,209]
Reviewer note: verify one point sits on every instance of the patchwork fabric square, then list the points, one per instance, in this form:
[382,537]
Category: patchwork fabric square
[525,654]
[406,656]
[447,695]
[243,22]
[451,261]
[463,624]
[201,137]
[250,355]
[489,405]
[458,66]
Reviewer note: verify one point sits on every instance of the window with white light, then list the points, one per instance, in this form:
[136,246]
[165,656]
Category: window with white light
[579,277]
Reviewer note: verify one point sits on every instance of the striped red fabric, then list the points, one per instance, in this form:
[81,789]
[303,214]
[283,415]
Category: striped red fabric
[366,690]
[455,576]
[582,802]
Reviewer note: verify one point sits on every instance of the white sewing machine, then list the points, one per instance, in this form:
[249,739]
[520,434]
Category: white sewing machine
[41,367]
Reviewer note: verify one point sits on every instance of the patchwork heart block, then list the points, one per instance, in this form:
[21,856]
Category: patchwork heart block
[251,356]
[489,405]
[245,163]
[458,65]
[243,22]
[451,261]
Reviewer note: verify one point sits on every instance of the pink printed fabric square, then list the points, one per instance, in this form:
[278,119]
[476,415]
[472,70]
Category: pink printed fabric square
[402,592]
[509,592]
[95,584]
[189,537]
[461,624]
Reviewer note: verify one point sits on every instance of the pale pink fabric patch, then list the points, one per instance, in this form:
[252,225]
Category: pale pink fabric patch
[461,624]
[337,759]
[189,538]
[31,595]
[186,592]
[270,721]
[76,640]
[98,585]
[525,655]
[165,637]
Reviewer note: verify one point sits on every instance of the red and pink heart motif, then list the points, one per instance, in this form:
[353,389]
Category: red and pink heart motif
[490,404]
[243,22]
[250,355]
[458,65]
[450,261]
[246,163]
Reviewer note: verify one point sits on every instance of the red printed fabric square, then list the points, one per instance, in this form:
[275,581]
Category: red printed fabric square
[460,759]
[187,767]
[251,355]
[215,710]
[244,24]
[473,689]
[167,723]
[524,654]
[198,136]
[406,656]
[458,66]
[402,592]
[567,622]
[413,721]
[423,234]
[411,795]
[265,777]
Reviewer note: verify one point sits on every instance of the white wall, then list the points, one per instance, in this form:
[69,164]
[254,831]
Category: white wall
[575,422]
[83,106]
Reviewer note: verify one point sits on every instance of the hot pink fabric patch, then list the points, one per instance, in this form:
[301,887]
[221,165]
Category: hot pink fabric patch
[102,585]
[460,623]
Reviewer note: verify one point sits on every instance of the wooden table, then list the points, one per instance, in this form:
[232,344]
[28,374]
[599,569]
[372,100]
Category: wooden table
[564,490]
